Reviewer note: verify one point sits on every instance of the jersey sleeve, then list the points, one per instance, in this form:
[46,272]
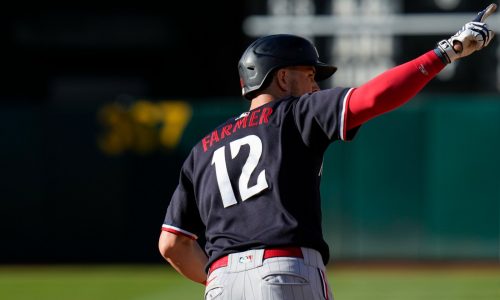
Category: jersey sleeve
[321,116]
[391,88]
[182,217]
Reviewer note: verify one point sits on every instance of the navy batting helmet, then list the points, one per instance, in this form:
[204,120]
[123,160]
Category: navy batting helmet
[269,53]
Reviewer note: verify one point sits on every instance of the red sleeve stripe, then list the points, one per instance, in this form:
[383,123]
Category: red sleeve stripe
[343,127]
[178,231]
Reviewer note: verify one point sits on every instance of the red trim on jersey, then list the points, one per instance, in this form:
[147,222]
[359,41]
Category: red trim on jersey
[345,104]
[391,89]
[178,231]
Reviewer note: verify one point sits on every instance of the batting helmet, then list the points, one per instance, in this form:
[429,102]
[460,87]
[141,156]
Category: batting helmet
[277,51]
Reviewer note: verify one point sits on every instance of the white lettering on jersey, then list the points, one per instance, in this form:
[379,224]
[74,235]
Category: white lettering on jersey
[223,181]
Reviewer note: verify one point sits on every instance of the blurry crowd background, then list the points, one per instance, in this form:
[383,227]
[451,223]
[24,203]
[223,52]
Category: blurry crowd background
[101,104]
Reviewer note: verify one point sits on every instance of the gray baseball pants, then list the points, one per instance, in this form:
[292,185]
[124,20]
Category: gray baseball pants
[248,276]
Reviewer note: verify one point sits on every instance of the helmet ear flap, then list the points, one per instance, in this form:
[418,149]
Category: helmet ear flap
[251,71]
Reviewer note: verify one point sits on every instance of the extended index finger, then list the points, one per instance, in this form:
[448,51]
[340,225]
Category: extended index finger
[482,15]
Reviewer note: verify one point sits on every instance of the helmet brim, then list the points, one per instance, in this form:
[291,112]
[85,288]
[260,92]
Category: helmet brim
[324,71]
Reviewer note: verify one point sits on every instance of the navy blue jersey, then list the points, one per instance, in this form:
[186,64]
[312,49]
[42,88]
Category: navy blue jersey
[253,182]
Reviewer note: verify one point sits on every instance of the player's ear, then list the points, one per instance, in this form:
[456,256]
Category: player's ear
[281,79]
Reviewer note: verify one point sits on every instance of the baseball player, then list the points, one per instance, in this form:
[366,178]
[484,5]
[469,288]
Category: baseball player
[250,187]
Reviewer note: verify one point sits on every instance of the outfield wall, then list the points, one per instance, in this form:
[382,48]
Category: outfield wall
[91,181]
[420,182]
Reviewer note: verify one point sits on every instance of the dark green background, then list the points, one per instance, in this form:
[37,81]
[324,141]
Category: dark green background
[421,182]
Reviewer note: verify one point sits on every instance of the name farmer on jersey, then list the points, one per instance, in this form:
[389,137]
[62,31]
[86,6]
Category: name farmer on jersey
[249,119]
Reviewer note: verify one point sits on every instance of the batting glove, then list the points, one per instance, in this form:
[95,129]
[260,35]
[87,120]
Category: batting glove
[472,37]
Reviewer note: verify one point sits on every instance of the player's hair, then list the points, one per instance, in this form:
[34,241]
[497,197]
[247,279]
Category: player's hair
[271,52]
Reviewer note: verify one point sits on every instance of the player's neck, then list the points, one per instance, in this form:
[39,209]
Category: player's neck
[261,100]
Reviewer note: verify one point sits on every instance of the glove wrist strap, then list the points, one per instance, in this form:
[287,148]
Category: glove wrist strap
[446,49]
[441,56]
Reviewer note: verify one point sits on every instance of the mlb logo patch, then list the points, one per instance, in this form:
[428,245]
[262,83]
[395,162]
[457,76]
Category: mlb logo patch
[245,259]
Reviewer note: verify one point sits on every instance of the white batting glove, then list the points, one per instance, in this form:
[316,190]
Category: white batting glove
[472,37]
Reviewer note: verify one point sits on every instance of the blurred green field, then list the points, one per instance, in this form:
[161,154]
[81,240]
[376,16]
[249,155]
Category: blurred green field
[161,282]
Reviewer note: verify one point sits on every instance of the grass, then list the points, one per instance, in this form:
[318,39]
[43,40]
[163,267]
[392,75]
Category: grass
[95,283]
[429,283]
[161,282]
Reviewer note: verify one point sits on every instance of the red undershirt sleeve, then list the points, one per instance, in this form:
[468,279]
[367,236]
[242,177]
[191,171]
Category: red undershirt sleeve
[391,89]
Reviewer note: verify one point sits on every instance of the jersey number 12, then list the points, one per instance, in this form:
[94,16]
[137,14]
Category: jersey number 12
[219,160]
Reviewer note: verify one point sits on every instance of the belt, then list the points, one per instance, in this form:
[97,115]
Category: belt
[268,253]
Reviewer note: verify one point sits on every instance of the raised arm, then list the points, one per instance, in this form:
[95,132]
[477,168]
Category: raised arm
[396,86]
